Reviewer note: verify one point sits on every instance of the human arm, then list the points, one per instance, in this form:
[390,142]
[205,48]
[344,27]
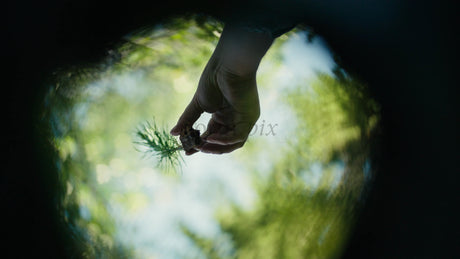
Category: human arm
[228,89]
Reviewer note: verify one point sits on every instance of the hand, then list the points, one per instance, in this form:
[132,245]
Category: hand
[228,89]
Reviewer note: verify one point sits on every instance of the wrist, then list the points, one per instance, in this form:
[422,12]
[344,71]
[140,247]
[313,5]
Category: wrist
[240,50]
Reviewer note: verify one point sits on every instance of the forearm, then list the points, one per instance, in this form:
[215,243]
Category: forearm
[240,50]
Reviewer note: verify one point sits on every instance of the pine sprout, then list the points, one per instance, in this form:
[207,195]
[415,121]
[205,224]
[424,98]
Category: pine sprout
[160,144]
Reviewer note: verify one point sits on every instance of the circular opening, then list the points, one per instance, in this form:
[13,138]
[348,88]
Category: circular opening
[292,191]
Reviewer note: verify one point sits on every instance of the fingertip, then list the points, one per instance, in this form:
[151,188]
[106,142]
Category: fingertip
[175,131]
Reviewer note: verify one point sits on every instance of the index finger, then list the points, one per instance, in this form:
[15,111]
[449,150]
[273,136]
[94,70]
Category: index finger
[191,113]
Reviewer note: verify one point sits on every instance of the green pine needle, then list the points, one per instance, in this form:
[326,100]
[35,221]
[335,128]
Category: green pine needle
[160,144]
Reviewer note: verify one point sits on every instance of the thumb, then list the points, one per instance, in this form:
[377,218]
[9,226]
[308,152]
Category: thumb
[191,113]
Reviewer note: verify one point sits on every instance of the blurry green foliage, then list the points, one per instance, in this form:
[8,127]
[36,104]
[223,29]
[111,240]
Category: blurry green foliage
[291,219]
[334,112]
[90,124]
[77,107]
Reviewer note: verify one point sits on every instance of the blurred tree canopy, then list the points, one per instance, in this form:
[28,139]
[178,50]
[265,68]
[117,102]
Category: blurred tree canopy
[80,99]
[337,120]
[89,121]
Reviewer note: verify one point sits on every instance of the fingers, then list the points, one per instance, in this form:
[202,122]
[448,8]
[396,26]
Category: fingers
[212,127]
[191,113]
[215,148]
[229,138]
[218,131]
[220,149]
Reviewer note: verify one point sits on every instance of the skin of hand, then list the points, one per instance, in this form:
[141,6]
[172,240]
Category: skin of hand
[228,90]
